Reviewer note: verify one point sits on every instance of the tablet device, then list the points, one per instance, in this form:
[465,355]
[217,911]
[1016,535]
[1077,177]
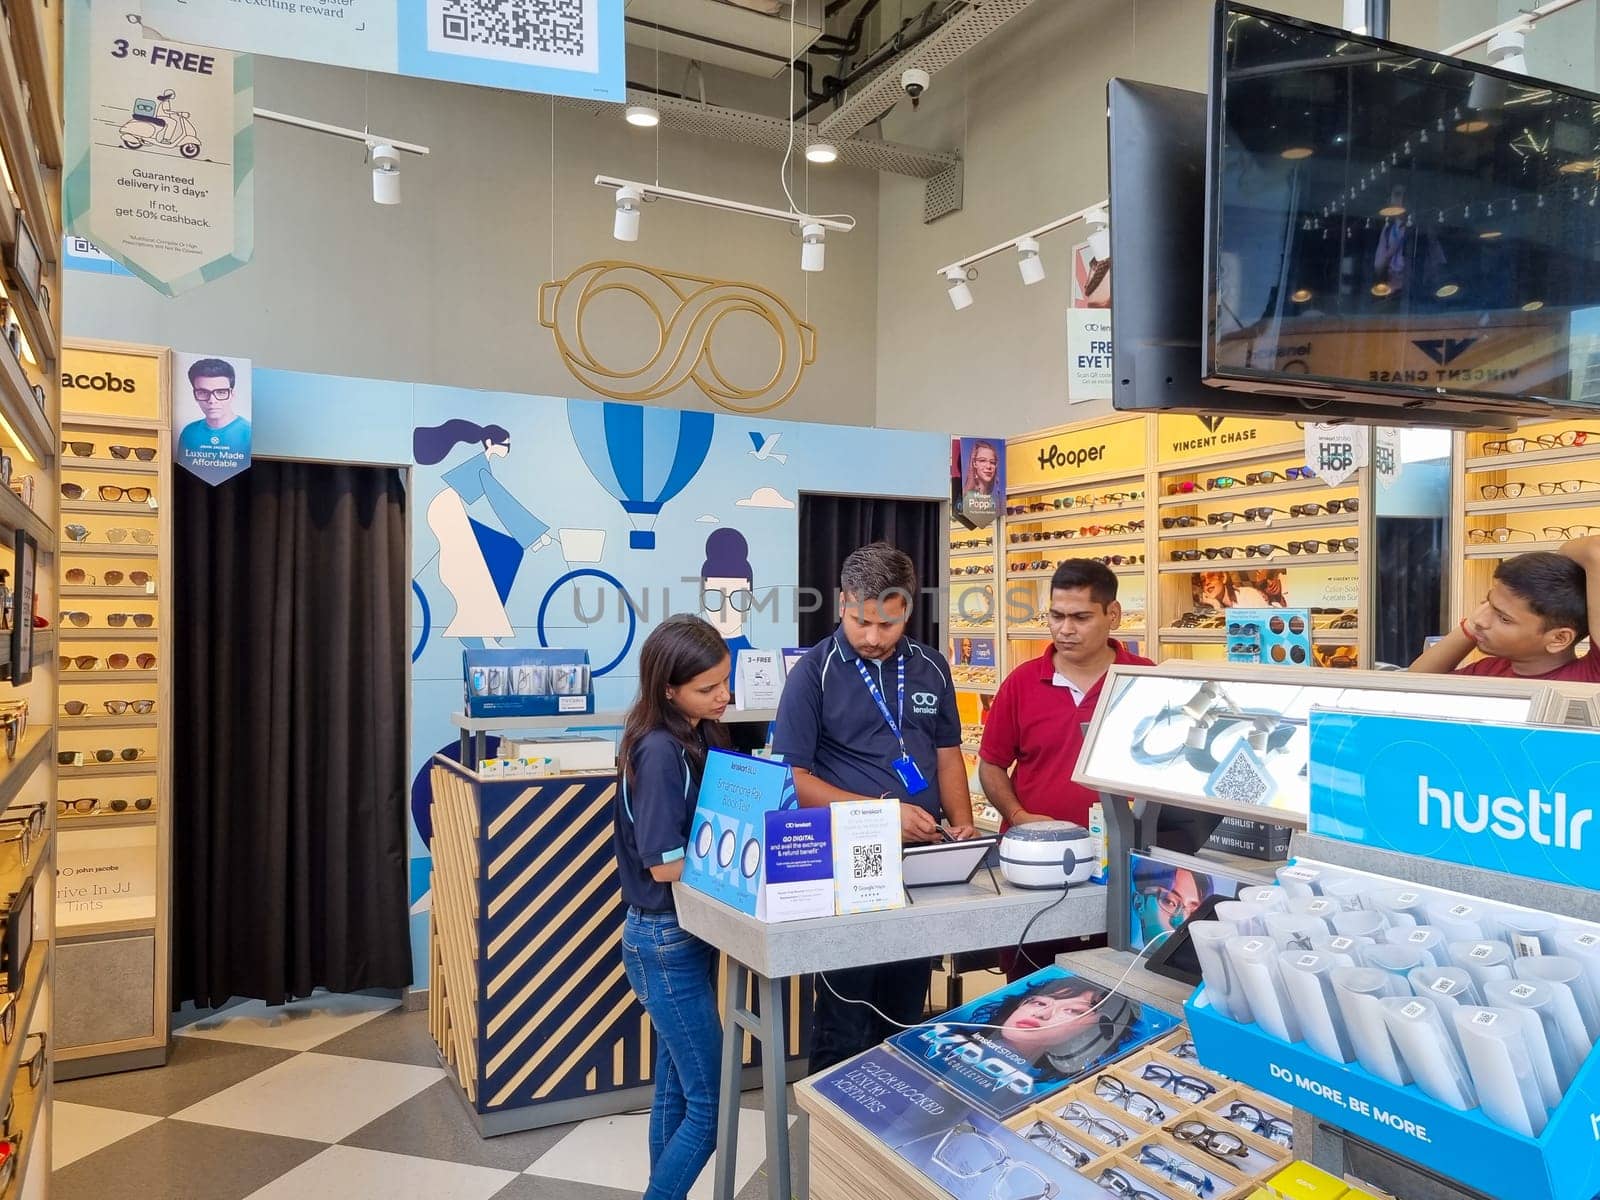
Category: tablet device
[944,862]
[1175,957]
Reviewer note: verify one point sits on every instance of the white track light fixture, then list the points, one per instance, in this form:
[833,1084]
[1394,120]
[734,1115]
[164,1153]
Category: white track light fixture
[385,174]
[1506,51]
[1099,234]
[1029,262]
[960,293]
[822,152]
[645,116]
[626,226]
[1355,17]
[813,239]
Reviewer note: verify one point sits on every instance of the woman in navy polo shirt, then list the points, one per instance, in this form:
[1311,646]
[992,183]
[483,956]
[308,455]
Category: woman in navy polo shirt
[683,691]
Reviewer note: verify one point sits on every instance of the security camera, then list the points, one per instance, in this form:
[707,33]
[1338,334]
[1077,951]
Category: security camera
[913,82]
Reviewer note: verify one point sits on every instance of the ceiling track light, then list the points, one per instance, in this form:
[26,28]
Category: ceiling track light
[385,174]
[645,116]
[383,153]
[631,195]
[1026,246]
[960,293]
[1506,50]
[1028,261]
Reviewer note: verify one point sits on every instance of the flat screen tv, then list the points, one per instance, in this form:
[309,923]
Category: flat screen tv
[1157,168]
[1389,225]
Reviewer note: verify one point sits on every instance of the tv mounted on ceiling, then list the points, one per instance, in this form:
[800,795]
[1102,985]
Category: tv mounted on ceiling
[1157,140]
[1390,226]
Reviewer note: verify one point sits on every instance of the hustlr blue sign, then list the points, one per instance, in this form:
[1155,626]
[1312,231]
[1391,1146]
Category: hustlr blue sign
[1507,798]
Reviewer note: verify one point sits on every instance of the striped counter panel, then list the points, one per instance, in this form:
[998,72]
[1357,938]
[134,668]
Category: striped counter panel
[554,1017]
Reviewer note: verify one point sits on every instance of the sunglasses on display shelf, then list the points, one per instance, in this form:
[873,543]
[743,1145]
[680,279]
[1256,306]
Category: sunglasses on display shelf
[1182,488]
[142,453]
[1131,1101]
[1544,441]
[76,708]
[38,1062]
[140,620]
[1167,1164]
[1119,560]
[1183,522]
[1501,533]
[134,495]
[8,1025]
[1112,498]
[1565,533]
[81,449]
[1244,648]
[1124,1186]
[1283,476]
[144,537]
[1334,656]
[1124,527]
[1082,1117]
[1185,1087]
[988,541]
[1249,514]
[973,570]
[1560,487]
[114,662]
[1261,550]
[1017,510]
[1248,1116]
[1052,1141]
[113,578]
[1324,546]
[78,758]
[1219,1143]
[85,805]
[72,491]
[1185,1051]
[10,1152]
[27,829]
[1331,507]
[80,619]
[1223,481]
[77,533]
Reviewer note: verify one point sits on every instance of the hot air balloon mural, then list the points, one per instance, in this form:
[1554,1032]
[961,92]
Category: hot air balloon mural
[643,456]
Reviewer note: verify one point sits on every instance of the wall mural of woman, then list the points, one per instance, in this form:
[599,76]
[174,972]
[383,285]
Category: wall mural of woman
[477,563]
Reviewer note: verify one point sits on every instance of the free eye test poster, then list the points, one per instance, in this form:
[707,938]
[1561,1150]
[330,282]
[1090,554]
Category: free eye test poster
[1028,1040]
[967,1154]
[211,415]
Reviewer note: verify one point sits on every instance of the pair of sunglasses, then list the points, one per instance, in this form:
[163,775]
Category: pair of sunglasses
[86,450]
[76,708]
[112,578]
[114,662]
[108,491]
[77,758]
[115,620]
[85,805]
[145,537]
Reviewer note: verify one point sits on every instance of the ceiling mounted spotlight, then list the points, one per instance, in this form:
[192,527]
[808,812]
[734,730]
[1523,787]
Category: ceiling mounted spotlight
[644,116]
[1100,238]
[385,161]
[1506,50]
[813,246]
[822,152]
[1028,261]
[960,293]
[626,226]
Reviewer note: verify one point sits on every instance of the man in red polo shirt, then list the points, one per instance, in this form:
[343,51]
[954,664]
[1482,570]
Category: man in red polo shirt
[1035,726]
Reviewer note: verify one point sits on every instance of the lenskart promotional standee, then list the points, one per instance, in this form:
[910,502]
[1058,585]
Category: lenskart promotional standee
[160,150]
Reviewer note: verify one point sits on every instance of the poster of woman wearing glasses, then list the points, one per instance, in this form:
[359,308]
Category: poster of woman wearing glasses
[1165,895]
[982,490]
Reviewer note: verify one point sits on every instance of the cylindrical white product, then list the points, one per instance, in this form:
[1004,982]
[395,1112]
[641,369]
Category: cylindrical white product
[1319,907]
[1308,980]
[1222,985]
[1497,1057]
[1359,990]
[1429,943]
[1398,961]
[1457,920]
[1297,881]
[1293,932]
[1403,905]
[1558,968]
[1348,892]
[1417,1026]
[1484,960]
[1446,983]
[1270,898]
[1255,963]
[1360,923]
[1245,918]
[1581,943]
[1553,1004]
[1527,933]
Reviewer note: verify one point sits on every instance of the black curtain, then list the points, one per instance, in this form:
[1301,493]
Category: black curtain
[1410,601]
[832,526]
[289,779]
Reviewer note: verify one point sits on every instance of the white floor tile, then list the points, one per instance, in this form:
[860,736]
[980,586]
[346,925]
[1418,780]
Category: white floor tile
[319,1097]
[80,1130]
[352,1174]
[298,1025]
[615,1152]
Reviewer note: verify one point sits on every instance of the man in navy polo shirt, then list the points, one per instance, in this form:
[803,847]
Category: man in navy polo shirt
[870,713]
[1034,730]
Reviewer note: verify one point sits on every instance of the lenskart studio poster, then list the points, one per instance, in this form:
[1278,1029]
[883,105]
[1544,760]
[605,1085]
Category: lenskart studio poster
[1020,1044]
[211,414]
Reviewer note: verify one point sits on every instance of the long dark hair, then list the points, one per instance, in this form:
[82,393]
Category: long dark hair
[431,443]
[677,650]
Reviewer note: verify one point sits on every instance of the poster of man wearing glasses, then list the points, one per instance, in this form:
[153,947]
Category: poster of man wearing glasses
[216,444]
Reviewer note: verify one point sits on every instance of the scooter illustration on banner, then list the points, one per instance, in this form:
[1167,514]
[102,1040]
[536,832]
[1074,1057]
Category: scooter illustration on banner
[157,123]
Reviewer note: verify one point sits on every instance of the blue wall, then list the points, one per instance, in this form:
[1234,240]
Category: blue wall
[571,488]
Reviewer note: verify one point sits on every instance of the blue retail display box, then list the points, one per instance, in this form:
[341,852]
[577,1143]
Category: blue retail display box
[532,682]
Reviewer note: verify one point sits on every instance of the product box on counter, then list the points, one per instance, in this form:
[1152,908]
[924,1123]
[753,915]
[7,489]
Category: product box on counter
[1559,1164]
[530,682]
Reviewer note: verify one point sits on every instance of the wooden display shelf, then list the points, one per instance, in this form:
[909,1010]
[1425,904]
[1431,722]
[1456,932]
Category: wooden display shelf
[94,591]
[105,675]
[26,1119]
[110,508]
[105,633]
[111,422]
[1478,508]
[94,770]
[99,466]
[14,514]
[30,753]
[33,981]
[1125,569]
[1080,483]
[108,721]
[979,689]
[1529,458]
[109,549]
[1203,637]
[973,631]
[1233,494]
[34,64]
[22,411]
[89,931]
[969,552]
[26,174]
[105,820]
[1116,539]
[1336,521]
[1272,560]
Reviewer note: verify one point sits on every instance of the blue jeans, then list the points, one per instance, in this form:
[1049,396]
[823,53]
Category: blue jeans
[671,972]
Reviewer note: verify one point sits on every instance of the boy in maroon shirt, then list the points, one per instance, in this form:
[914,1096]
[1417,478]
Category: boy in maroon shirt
[1529,624]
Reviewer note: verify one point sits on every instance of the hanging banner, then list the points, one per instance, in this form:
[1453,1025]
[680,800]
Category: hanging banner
[1386,455]
[981,492]
[216,445]
[1335,452]
[160,150]
[1089,328]
[557,47]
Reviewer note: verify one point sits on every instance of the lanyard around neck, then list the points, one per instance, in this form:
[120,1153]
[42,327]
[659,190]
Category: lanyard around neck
[877,697]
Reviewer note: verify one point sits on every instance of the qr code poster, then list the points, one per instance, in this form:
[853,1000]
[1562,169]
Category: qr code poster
[866,856]
[560,47]
[1241,779]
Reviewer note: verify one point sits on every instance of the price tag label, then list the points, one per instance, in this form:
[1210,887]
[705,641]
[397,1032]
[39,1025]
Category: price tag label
[1308,960]
[1587,940]
[1341,944]
[150,587]
[1522,991]
[1406,898]
[1460,910]
[1445,986]
[1481,951]
[1254,945]
[1413,1010]
[1485,1018]
[1419,936]
[1304,874]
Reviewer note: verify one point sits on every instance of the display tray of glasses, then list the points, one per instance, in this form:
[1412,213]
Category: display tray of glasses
[1531,445]
[1244,486]
[1157,1126]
